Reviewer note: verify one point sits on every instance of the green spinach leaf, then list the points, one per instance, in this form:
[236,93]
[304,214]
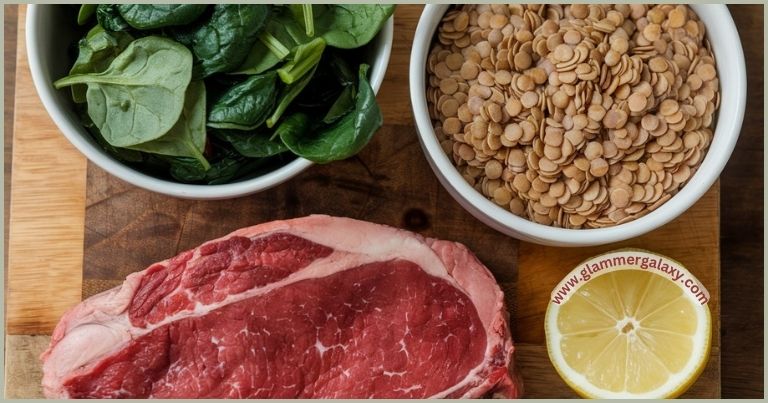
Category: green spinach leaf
[187,170]
[141,95]
[228,167]
[121,154]
[109,17]
[282,28]
[251,144]
[288,95]
[343,104]
[187,137]
[342,139]
[292,129]
[246,105]
[344,74]
[85,13]
[325,86]
[96,51]
[222,42]
[152,16]
[350,26]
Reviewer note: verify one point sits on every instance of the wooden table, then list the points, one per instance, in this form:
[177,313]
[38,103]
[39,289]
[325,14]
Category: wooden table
[67,283]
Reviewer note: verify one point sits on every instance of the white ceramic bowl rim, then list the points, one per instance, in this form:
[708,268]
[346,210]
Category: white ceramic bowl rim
[729,57]
[72,130]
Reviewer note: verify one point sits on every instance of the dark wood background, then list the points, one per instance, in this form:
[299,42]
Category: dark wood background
[741,212]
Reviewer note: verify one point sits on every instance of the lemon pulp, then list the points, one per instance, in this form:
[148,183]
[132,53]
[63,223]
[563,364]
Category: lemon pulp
[629,333]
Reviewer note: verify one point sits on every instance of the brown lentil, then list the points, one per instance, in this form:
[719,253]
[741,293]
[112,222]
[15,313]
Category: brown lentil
[576,116]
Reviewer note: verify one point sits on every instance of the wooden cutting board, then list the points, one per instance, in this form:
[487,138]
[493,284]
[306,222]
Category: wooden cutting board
[70,236]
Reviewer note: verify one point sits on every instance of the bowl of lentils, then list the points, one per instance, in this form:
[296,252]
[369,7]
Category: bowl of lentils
[573,125]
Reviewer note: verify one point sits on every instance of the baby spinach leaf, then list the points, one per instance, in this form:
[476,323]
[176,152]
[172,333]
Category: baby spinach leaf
[228,167]
[141,95]
[187,137]
[121,154]
[109,17]
[292,128]
[343,104]
[288,95]
[342,139]
[96,51]
[85,13]
[246,105]
[152,16]
[282,28]
[259,60]
[251,144]
[221,43]
[341,69]
[323,89]
[350,26]
[188,170]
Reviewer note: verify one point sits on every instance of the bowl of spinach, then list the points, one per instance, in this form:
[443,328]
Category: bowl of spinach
[211,101]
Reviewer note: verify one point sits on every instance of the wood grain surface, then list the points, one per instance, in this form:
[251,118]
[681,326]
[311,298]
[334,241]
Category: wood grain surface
[381,194]
[742,243]
[46,214]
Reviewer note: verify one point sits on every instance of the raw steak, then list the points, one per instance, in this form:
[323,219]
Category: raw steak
[311,307]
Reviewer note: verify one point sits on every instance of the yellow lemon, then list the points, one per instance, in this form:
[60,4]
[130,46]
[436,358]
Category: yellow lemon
[629,324]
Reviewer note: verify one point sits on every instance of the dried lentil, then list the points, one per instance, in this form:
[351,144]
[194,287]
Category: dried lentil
[576,116]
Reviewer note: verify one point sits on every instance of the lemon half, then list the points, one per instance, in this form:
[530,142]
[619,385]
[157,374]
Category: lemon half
[629,324]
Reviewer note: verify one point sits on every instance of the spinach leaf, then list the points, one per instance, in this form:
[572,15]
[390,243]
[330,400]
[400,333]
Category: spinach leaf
[251,144]
[293,128]
[305,57]
[259,60]
[152,16]
[222,42]
[85,13]
[109,17]
[96,51]
[121,154]
[246,105]
[281,28]
[187,137]
[289,94]
[187,170]
[341,70]
[350,26]
[343,104]
[229,167]
[324,87]
[342,139]
[141,95]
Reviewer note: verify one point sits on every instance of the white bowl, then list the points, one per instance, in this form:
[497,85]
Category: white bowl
[726,46]
[48,40]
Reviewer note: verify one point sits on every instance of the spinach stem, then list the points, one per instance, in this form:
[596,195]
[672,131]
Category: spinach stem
[306,57]
[309,19]
[274,45]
